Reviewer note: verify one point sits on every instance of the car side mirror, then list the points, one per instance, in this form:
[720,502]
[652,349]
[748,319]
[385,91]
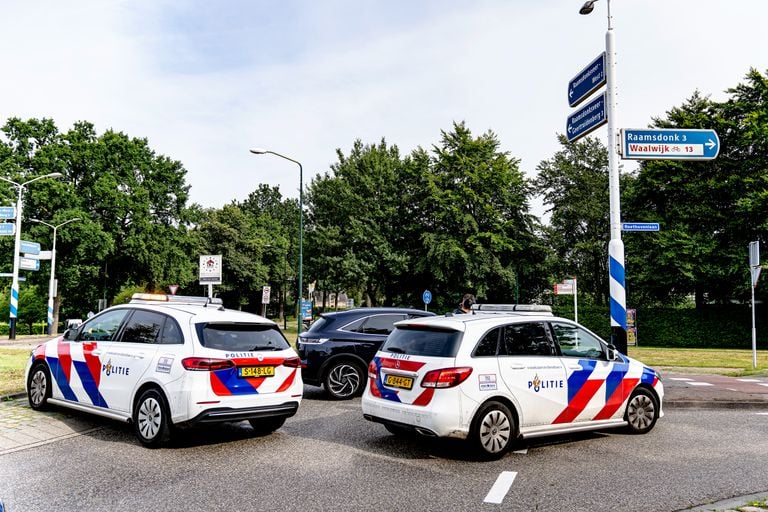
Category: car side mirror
[612,352]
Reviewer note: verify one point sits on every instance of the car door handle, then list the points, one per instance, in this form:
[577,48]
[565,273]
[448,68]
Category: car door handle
[516,367]
[140,355]
[575,367]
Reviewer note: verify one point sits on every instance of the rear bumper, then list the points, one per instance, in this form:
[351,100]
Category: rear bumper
[221,414]
[404,426]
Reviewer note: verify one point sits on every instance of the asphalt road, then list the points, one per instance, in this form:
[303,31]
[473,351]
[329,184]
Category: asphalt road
[329,458]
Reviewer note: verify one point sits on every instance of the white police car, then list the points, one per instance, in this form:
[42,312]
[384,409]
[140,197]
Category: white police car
[161,361]
[493,378]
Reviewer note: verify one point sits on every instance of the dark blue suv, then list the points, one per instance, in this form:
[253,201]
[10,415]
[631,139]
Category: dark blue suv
[337,348]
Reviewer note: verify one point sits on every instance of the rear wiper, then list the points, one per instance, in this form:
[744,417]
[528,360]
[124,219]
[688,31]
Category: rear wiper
[268,347]
[396,350]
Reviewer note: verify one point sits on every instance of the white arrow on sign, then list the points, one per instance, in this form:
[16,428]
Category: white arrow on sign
[710,144]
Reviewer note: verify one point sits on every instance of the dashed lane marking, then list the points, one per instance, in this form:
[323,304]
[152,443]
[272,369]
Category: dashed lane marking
[748,380]
[523,451]
[501,487]
[700,384]
[680,378]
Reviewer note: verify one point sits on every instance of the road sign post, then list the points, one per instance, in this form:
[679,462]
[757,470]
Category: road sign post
[754,267]
[669,144]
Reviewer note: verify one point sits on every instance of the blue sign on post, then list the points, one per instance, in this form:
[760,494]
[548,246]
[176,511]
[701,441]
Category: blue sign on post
[30,247]
[669,144]
[589,79]
[587,119]
[7,228]
[426,296]
[640,226]
[306,309]
[7,212]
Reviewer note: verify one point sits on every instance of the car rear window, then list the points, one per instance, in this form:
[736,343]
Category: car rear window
[423,342]
[241,337]
[319,324]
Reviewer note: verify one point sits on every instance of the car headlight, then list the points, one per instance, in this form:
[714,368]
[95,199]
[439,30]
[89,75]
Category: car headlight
[313,341]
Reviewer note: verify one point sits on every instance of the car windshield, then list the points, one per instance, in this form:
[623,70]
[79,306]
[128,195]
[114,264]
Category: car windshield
[241,337]
[423,342]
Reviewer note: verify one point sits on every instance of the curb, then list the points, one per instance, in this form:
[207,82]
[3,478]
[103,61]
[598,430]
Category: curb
[704,404]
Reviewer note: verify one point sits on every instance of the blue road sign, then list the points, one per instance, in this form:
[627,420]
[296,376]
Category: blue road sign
[7,228]
[587,119]
[426,296]
[7,212]
[640,226]
[306,309]
[669,144]
[30,247]
[589,79]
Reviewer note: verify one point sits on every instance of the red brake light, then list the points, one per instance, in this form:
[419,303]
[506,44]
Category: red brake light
[446,377]
[372,370]
[206,364]
[292,362]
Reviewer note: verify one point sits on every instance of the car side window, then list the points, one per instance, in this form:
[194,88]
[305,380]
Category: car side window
[103,327]
[171,334]
[380,324]
[143,327]
[488,345]
[527,339]
[577,342]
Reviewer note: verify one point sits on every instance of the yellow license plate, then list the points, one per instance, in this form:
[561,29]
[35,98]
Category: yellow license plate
[256,371]
[397,381]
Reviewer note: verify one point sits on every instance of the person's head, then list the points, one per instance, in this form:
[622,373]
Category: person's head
[467,301]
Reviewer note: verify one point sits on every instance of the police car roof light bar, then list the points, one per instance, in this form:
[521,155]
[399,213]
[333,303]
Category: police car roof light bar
[513,308]
[148,298]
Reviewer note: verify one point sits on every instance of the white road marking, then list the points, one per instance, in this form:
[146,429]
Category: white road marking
[762,413]
[731,389]
[679,378]
[524,451]
[748,380]
[763,384]
[700,384]
[501,487]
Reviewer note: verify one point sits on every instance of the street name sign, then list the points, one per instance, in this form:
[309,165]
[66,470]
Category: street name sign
[30,247]
[589,79]
[587,119]
[29,264]
[640,226]
[7,228]
[669,144]
[7,212]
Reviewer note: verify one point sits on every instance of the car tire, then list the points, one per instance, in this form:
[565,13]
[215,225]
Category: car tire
[151,419]
[493,430]
[642,411]
[264,426]
[344,380]
[39,387]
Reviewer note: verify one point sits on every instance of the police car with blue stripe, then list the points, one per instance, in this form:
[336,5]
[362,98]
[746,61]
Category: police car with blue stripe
[506,372]
[162,361]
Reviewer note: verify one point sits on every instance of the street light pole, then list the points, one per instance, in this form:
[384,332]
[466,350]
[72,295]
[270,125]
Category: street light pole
[260,151]
[16,248]
[616,275]
[52,282]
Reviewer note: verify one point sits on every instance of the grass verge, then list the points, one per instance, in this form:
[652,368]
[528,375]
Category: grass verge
[731,362]
[12,364]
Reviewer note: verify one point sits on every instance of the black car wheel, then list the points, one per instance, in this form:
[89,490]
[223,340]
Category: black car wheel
[151,419]
[39,387]
[493,430]
[264,426]
[343,380]
[642,412]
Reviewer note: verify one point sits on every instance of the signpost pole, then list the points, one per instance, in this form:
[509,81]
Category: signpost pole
[754,270]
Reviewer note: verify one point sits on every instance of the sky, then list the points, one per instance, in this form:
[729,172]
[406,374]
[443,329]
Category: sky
[205,81]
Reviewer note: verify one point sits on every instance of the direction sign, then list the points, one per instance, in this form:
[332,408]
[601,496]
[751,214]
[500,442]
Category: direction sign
[669,144]
[7,228]
[587,119]
[7,212]
[30,247]
[29,264]
[589,79]
[640,226]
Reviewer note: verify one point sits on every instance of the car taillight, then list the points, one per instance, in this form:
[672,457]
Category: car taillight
[311,341]
[206,364]
[446,377]
[372,370]
[292,362]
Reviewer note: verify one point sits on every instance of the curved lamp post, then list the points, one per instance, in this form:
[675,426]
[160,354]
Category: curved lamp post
[616,277]
[261,151]
[15,282]
[52,283]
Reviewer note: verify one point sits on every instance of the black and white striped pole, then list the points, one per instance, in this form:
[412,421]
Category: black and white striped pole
[754,267]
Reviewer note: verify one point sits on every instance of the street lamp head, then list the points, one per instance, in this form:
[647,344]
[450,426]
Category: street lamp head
[53,175]
[588,7]
[259,151]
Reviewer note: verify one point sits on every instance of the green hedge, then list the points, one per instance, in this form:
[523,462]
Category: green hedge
[708,327]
